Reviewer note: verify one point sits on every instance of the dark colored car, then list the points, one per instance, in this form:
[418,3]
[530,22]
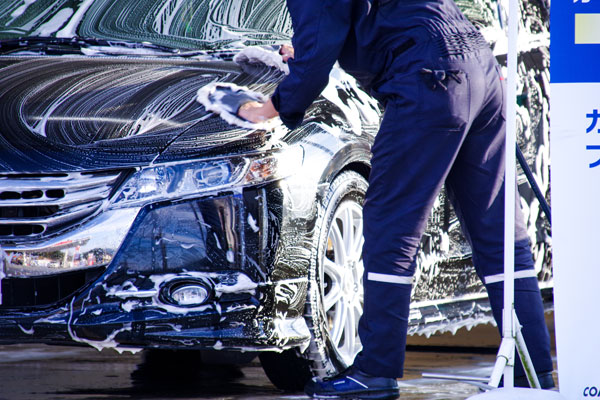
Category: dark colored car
[132,218]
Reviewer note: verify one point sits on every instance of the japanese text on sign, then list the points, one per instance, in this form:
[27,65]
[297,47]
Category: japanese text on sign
[594,116]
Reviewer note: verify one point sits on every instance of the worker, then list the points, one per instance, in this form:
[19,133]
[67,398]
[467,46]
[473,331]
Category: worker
[444,122]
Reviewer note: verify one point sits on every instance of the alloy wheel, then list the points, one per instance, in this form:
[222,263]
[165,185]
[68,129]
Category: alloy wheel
[341,279]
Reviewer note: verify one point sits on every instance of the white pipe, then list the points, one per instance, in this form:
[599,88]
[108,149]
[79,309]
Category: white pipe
[526,358]
[451,377]
[502,360]
[510,182]
[510,174]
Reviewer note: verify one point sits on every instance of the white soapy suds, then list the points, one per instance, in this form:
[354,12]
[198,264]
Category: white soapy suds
[132,350]
[292,328]
[126,51]
[49,321]
[165,16]
[217,241]
[451,326]
[26,331]
[243,284]
[437,302]
[415,314]
[354,114]
[40,125]
[99,345]
[129,305]
[124,294]
[176,328]
[128,290]
[252,223]
[97,312]
[218,345]
[21,10]
[260,55]
[204,97]
[70,30]
[58,20]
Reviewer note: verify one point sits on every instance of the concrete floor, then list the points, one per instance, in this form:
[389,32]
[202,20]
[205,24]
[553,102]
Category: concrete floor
[31,372]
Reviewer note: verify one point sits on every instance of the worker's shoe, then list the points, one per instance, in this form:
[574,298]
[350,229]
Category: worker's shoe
[545,378]
[353,384]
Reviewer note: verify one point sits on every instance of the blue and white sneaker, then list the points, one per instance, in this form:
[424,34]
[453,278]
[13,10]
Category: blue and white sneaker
[353,384]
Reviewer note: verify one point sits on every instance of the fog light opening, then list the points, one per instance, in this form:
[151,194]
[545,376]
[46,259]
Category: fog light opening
[189,295]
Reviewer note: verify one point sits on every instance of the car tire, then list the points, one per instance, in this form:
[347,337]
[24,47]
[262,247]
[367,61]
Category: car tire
[335,294]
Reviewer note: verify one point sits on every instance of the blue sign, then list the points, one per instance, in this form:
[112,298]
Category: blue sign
[575,41]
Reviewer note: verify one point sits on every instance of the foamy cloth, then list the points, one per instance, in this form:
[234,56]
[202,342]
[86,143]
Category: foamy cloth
[225,99]
[267,55]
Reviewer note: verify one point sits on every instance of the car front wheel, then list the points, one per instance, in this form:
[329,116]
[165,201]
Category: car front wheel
[335,295]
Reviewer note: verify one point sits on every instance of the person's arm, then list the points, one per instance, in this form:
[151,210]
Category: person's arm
[320,30]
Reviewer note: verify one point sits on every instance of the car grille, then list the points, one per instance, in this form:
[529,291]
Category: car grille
[34,206]
[45,290]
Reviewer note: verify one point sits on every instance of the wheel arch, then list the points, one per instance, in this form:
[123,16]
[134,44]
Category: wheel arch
[361,167]
[352,157]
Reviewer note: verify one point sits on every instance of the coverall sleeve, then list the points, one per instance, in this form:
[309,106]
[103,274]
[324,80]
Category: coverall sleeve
[320,30]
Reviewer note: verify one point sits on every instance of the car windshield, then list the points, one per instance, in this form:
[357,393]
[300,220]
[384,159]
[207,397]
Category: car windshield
[176,24]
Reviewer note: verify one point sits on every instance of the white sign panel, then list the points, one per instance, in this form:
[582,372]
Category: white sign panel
[575,154]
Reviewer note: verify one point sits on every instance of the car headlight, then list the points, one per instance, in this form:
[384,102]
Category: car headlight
[189,179]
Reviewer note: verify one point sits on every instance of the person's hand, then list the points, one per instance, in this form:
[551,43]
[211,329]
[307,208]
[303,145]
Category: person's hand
[286,52]
[256,112]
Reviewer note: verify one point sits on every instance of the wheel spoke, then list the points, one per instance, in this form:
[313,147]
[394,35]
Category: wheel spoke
[338,244]
[350,331]
[333,297]
[339,323]
[347,228]
[358,313]
[359,241]
[358,273]
[333,271]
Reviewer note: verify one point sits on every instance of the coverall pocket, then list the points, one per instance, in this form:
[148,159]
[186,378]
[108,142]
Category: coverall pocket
[444,100]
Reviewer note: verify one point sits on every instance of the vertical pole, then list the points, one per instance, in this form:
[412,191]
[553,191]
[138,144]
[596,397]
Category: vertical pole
[510,185]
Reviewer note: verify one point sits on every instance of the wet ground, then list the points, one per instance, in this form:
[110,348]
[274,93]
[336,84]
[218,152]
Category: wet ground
[78,373]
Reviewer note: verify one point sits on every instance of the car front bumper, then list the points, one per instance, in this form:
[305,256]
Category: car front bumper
[107,283]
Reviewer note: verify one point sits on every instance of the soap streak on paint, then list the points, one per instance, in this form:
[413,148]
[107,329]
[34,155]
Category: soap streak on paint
[55,23]
[20,10]
[99,345]
[185,24]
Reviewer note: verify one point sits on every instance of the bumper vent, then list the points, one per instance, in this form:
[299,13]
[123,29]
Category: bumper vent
[45,290]
[34,206]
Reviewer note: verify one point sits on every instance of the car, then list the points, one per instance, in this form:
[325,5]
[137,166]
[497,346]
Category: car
[133,218]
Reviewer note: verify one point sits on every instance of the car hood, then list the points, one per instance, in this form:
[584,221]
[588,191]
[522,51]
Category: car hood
[94,113]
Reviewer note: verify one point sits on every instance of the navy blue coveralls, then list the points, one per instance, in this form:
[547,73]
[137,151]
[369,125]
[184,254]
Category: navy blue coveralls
[443,122]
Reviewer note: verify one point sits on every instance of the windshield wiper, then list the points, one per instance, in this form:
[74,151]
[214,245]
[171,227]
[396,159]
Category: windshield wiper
[54,45]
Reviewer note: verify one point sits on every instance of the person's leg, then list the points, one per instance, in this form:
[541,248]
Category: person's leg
[420,136]
[476,187]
